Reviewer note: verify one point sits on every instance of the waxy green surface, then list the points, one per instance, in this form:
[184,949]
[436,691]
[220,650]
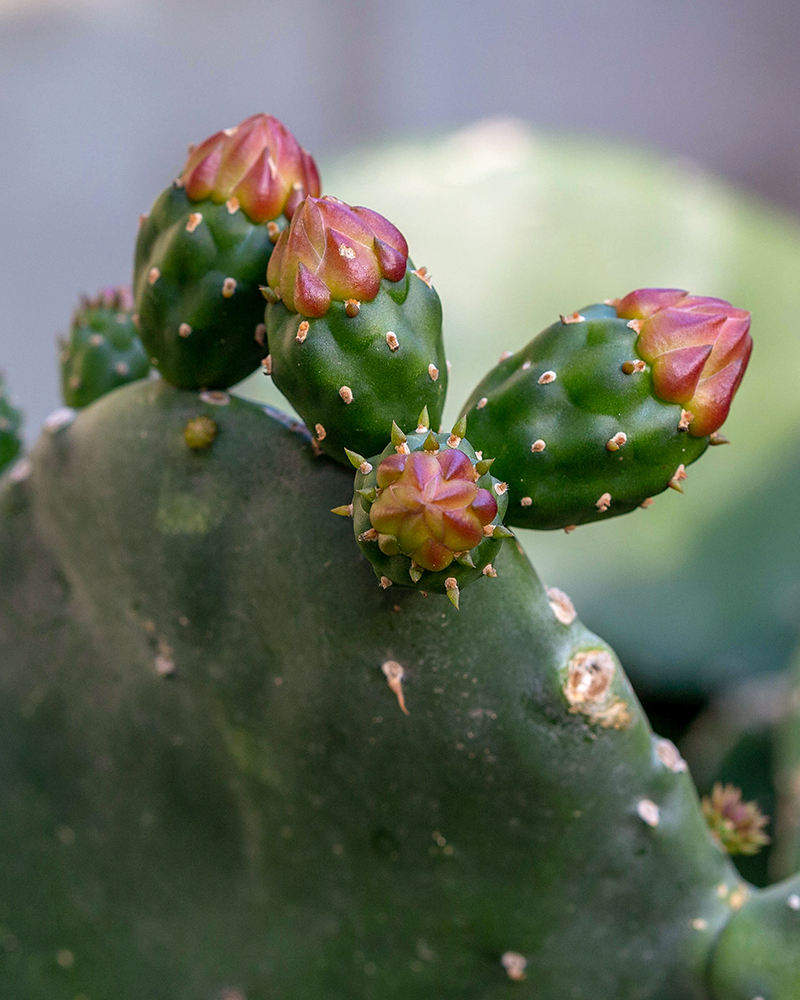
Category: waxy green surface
[208,785]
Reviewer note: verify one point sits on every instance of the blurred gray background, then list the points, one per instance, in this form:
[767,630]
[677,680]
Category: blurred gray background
[99,98]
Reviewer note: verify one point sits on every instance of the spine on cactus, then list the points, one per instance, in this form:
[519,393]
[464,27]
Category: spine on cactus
[606,408]
[10,428]
[426,511]
[203,250]
[103,350]
[354,330]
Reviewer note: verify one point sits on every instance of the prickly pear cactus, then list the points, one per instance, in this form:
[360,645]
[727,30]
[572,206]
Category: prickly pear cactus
[202,252]
[238,767]
[103,349]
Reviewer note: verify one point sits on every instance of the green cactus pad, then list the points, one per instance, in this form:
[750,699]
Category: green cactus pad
[211,789]
[574,425]
[396,567]
[198,269]
[10,427]
[349,376]
[758,952]
[103,350]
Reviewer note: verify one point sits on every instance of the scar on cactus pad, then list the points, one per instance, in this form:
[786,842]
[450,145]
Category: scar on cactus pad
[427,513]
[605,408]
[202,252]
[354,330]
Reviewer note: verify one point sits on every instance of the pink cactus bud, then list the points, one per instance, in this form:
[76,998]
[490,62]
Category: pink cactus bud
[258,163]
[334,252]
[698,349]
[429,507]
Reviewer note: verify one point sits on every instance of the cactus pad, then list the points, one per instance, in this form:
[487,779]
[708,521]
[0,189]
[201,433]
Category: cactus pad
[103,350]
[577,426]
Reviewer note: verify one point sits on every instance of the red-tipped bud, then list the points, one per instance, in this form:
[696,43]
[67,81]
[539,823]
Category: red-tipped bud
[429,507]
[698,349]
[259,163]
[334,252]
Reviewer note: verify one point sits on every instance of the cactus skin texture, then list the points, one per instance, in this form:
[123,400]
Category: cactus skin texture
[10,427]
[202,253]
[354,330]
[422,512]
[103,350]
[576,426]
[211,789]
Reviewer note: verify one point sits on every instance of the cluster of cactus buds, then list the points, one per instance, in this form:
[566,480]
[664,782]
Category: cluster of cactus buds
[334,252]
[737,826]
[258,165]
[531,805]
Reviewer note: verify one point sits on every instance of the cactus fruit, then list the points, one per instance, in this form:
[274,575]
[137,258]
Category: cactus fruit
[202,252]
[354,330]
[10,427]
[589,420]
[427,513]
[103,350]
